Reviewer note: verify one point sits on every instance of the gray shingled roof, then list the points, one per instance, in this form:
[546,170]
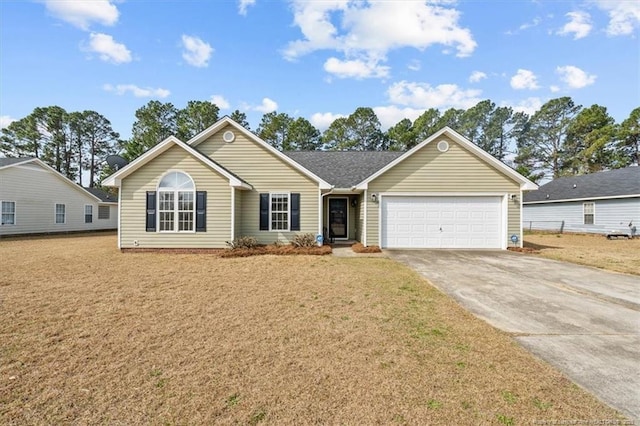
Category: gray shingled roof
[343,169]
[104,196]
[10,161]
[611,183]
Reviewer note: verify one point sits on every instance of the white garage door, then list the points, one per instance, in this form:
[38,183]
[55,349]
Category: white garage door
[441,222]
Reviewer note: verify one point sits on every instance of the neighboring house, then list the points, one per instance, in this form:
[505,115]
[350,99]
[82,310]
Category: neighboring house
[226,182]
[594,203]
[35,198]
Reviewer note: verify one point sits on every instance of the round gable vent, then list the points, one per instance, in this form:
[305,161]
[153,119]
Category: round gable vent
[228,136]
[443,146]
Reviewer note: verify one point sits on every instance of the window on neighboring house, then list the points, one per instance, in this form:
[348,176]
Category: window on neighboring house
[280,211]
[8,213]
[176,206]
[88,213]
[589,210]
[104,212]
[60,213]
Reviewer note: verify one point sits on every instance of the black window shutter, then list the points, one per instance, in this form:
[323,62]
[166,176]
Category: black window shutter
[264,212]
[201,211]
[295,212]
[151,211]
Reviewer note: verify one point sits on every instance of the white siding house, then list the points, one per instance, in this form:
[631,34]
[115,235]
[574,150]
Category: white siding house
[603,203]
[34,198]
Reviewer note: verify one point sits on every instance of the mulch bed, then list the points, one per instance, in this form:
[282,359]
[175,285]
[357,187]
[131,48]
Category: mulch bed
[359,248]
[523,250]
[276,250]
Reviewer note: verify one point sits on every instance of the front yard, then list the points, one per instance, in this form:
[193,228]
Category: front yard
[591,250]
[92,335]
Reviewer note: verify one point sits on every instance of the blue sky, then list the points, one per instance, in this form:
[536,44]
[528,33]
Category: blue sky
[316,59]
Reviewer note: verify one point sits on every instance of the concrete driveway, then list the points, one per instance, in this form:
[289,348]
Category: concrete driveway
[583,321]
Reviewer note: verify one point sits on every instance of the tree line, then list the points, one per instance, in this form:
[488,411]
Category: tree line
[561,138]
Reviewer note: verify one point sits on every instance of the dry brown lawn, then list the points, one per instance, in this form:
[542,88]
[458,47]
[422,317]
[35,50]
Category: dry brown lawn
[89,335]
[592,250]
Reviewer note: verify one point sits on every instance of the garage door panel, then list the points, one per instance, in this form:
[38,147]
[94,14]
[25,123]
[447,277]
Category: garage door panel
[441,222]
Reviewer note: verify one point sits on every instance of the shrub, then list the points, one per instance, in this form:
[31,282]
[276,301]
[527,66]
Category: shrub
[304,240]
[243,243]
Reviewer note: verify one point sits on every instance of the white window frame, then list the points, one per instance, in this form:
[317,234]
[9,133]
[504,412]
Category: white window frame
[64,214]
[2,213]
[90,208]
[271,211]
[175,205]
[104,208]
[592,213]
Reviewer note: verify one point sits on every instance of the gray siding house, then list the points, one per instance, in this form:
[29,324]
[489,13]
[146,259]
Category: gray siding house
[602,203]
[35,199]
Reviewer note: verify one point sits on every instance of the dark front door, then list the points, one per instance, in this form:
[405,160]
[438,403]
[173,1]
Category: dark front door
[338,217]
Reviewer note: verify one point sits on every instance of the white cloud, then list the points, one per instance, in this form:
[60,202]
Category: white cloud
[414,65]
[220,101]
[534,23]
[197,52]
[476,76]
[108,49]
[5,120]
[554,89]
[138,92]
[243,5]
[267,105]
[355,68]
[322,120]
[423,95]
[357,35]
[528,106]
[82,13]
[524,79]
[574,77]
[623,15]
[579,25]
[391,115]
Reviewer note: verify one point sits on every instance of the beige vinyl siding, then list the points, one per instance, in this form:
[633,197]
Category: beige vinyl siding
[133,204]
[36,191]
[238,213]
[514,217]
[432,171]
[266,173]
[359,218]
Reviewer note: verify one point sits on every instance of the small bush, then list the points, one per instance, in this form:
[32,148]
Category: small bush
[304,240]
[243,243]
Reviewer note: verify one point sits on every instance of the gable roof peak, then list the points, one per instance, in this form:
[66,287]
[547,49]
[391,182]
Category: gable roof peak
[525,184]
[226,120]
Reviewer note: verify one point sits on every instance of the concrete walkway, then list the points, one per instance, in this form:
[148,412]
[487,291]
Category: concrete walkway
[583,321]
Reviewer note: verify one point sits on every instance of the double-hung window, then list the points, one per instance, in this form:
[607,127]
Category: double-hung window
[8,213]
[176,203]
[279,211]
[61,210]
[589,210]
[88,213]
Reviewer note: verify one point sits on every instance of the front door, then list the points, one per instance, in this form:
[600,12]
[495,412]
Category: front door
[338,217]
